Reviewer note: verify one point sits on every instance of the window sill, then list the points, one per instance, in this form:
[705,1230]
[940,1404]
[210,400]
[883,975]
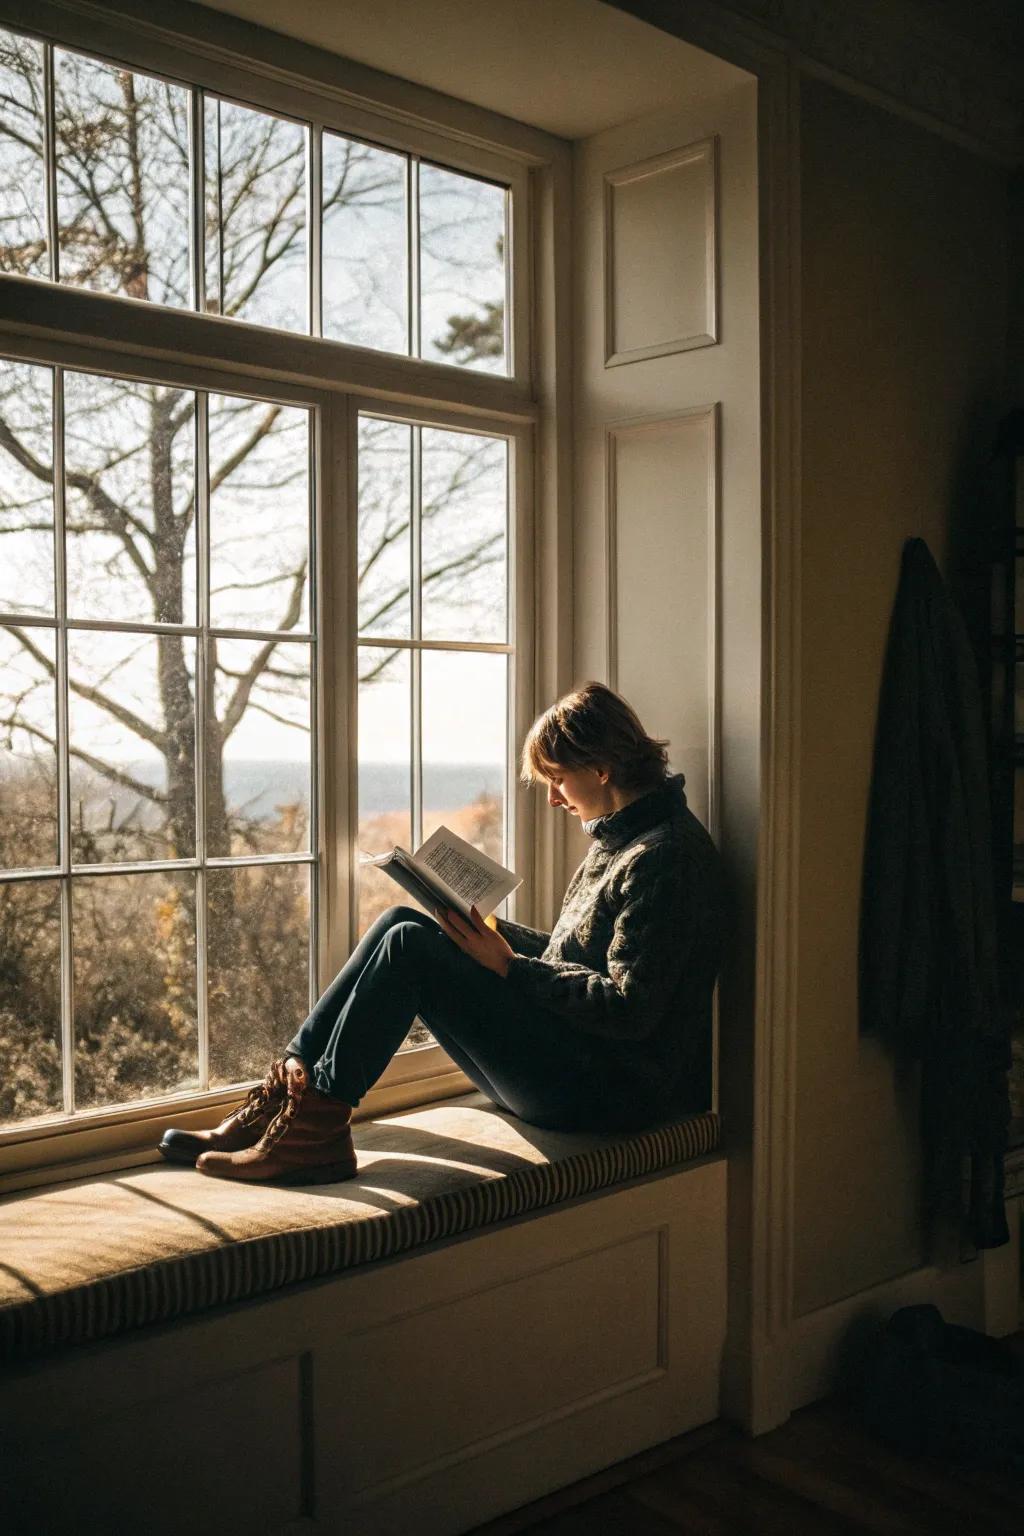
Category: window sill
[108,1140]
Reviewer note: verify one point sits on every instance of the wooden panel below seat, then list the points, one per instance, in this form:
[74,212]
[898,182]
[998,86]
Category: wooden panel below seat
[218,1458]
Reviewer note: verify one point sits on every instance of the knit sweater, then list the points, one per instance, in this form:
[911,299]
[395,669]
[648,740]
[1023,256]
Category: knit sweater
[637,945]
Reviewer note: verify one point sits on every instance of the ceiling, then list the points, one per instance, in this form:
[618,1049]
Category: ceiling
[571,67]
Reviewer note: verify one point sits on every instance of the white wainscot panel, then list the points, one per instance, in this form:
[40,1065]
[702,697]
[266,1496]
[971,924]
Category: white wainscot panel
[660,255]
[662,587]
[596,1322]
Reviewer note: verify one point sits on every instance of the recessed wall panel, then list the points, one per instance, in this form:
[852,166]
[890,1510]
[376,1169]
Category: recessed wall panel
[596,1321]
[660,256]
[662,586]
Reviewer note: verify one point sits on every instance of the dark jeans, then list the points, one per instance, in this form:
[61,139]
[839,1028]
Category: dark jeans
[528,1060]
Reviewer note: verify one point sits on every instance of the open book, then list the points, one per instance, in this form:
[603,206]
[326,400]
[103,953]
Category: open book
[447,872]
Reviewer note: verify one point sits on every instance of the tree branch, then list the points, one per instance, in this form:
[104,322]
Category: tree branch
[134,723]
[107,770]
[244,448]
[381,666]
[240,697]
[117,519]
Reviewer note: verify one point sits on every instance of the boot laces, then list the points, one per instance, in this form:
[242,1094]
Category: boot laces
[295,1086]
[259,1099]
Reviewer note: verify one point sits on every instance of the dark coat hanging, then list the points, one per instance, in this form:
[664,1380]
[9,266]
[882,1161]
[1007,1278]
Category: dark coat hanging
[928,974]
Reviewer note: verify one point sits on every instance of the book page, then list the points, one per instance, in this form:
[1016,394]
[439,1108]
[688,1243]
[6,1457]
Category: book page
[467,880]
[473,877]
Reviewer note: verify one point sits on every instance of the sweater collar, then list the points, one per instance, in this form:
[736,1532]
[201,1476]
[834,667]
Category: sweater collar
[618,827]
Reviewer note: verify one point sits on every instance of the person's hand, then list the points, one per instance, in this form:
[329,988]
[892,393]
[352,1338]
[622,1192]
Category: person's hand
[483,944]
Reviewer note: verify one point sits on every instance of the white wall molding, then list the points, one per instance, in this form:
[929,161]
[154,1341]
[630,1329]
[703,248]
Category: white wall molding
[699,161]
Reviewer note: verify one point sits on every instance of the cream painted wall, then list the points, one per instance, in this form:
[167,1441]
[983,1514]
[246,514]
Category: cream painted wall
[905,296]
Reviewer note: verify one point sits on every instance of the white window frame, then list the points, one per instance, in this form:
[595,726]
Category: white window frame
[43,322]
[428,1068]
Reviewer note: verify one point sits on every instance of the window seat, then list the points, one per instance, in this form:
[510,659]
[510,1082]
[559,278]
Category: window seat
[96,1257]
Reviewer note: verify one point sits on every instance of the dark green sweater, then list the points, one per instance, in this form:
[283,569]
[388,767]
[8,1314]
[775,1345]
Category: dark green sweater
[637,946]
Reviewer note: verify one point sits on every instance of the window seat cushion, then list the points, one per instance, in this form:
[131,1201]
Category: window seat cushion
[100,1256]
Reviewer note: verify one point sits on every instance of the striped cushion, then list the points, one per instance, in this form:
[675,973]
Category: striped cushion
[97,1257]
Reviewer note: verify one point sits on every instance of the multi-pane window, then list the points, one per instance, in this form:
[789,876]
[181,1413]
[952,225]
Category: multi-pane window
[159,868]
[434,642]
[156,759]
[115,180]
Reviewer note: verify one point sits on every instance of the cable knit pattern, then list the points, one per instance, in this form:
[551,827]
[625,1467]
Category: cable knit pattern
[524,940]
[637,945]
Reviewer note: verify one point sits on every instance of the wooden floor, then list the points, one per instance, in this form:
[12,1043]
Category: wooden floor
[819,1474]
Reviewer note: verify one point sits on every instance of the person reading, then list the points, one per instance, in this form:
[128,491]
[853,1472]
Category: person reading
[603,1024]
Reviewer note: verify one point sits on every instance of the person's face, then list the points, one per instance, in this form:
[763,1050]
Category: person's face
[582,792]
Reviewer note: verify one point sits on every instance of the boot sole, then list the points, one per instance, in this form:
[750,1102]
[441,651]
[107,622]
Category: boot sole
[328,1173]
[331,1173]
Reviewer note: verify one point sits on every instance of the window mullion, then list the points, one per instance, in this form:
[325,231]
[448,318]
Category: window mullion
[220,211]
[314,247]
[67,977]
[511,309]
[201,685]
[197,200]
[315,450]
[416,616]
[412,182]
[50,162]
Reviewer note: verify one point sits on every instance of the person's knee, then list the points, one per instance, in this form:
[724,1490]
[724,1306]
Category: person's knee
[406,936]
[395,916]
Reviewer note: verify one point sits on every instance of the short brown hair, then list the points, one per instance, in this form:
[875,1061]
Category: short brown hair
[590,727]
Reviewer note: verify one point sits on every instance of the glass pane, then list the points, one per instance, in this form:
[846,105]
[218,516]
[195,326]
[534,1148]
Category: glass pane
[462,270]
[122,180]
[365,245]
[256,216]
[464,746]
[132,742]
[28,757]
[129,453]
[259,515]
[134,941]
[258,749]
[26,488]
[30,1080]
[464,517]
[385,756]
[258,946]
[385,505]
[22,165]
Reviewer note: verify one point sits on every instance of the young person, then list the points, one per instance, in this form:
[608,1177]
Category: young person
[603,1024]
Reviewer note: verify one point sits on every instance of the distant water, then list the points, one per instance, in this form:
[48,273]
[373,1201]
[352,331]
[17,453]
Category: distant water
[385,786]
[257,787]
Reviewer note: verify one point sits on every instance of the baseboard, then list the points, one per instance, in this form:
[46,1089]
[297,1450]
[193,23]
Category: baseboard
[817,1341]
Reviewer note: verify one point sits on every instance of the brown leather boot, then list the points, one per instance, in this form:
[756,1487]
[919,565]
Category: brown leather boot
[309,1141]
[242,1128]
